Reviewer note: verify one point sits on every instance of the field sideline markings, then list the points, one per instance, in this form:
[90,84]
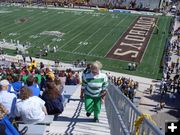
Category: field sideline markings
[66,26]
[91,35]
[149,41]
[6,26]
[25,28]
[6,17]
[73,27]
[28,16]
[121,35]
[106,35]
[77,53]
[80,33]
[159,48]
[27,33]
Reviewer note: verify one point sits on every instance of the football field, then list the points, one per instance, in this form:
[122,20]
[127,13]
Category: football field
[83,35]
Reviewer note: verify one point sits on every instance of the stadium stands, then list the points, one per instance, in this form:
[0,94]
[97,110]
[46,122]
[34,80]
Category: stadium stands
[122,114]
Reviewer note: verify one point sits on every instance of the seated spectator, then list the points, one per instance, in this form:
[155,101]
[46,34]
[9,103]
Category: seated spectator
[34,64]
[25,75]
[62,76]
[59,85]
[53,99]
[17,84]
[50,74]
[30,108]
[6,98]
[71,80]
[32,87]
[38,75]
[43,80]
[41,65]
[36,82]
[3,111]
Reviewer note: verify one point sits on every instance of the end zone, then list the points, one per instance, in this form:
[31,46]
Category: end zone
[131,46]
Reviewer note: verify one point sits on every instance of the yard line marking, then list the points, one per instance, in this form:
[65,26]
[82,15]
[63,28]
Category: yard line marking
[6,26]
[25,28]
[148,42]
[106,36]
[73,22]
[159,49]
[77,53]
[27,15]
[66,26]
[73,28]
[80,33]
[121,35]
[91,36]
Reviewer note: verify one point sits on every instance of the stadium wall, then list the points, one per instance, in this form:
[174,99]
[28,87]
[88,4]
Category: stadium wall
[149,4]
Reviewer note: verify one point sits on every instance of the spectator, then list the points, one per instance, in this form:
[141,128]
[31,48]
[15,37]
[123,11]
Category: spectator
[59,85]
[62,76]
[38,75]
[25,75]
[94,90]
[17,84]
[53,99]
[34,64]
[30,108]
[50,74]
[151,89]
[6,98]
[32,87]
[70,80]
[41,65]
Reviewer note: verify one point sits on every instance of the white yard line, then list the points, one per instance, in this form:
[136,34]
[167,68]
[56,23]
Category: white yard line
[79,33]
[159,50]
[73,27]
[148,42]
[73,22]
[29,26]
[7,26]
[106,36]
[120,36]
[89,37]
[77,53]
[68,25]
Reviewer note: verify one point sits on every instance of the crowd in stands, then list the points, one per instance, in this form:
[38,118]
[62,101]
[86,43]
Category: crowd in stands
[171,78]
[80,63]
[34,91]
[126,85]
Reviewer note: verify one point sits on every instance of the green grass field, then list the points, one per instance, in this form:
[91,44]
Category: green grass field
[87,35]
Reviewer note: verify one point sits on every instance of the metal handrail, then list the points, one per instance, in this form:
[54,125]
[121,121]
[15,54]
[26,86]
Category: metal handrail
[126,113]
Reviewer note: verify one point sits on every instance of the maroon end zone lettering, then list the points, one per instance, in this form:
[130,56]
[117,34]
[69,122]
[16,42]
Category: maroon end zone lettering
[131,46]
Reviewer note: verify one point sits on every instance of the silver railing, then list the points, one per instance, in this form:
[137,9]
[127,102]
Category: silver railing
[122,113]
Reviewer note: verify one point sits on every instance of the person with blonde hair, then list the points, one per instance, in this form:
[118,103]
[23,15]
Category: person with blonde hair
[94,86]
[30,108]
[6,98]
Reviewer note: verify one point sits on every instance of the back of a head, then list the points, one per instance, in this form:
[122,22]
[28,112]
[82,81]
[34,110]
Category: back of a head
[37,71]
[25,93]
[97,64]
[4,84]
[30,81]
[16,78]
[51,90]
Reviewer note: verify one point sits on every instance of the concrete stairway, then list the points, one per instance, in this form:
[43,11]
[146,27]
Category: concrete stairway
[74,121]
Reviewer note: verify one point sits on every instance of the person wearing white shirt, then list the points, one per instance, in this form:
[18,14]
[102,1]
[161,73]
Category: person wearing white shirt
[30,108]
[6,98]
